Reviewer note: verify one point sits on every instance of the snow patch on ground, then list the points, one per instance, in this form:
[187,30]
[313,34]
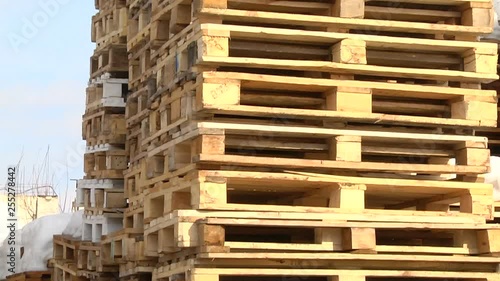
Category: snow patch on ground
[36,240]
[74,228]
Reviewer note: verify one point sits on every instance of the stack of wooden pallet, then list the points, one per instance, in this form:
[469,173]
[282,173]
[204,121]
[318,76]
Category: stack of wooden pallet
[311,139]
[100,193]
[308,139]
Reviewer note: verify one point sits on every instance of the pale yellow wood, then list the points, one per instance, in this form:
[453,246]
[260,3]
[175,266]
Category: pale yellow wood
[349,99]
[338,272]
[347,278]
[227,93]
[272,82]
[473,156]
[336,116]
[488,241]
[483,17]
[349,51]
[346,148]
[209,193]
[474,110]
[348,196]
[203,277]
[213,46]
[359,239]
[477,203]
[333,67]
[480,62]
[208,144]
[348,23]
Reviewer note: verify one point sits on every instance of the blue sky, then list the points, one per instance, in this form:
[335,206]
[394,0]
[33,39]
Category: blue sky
[45,49]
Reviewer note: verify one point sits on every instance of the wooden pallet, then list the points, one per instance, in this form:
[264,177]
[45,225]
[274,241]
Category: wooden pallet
[104,127]
[119,247]
[111,59]
[227,96]
[107,162]
[390,155]
[65,248]
[236,189]
[213,232]
[440,19]
[30,276]
[302,50]
[100,196]
[276,269]
[109,25]
[141,31]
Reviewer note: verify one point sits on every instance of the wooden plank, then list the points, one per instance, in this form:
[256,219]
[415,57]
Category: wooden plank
[314,132]
[336,272]
[355,69]
[345,224]
[347,23]
[272,82]
[349,257]
[336,165]
[292,113]
[334,214]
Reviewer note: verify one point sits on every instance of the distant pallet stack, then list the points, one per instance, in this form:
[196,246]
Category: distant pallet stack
[101,192]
